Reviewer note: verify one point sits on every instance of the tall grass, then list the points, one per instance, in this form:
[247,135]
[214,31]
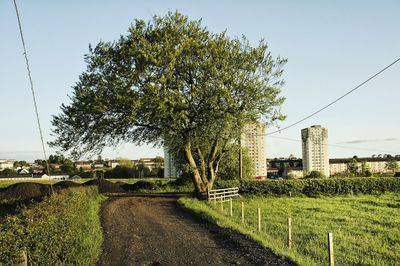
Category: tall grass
[64,229]
[366,228]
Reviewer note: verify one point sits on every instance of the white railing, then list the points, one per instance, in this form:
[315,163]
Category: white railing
[223,194]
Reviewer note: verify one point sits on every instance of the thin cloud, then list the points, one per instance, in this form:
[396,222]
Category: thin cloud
[367,141]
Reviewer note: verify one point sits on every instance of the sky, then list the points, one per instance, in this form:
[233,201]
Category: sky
[331,47]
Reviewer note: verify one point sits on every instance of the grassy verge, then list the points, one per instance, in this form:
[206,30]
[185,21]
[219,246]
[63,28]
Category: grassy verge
[366,228]
[61,230]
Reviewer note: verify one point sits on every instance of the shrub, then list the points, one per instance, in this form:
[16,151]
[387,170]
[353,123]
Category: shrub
[64,229]
[315,174]
[368,173]
[397,174]
[329,186]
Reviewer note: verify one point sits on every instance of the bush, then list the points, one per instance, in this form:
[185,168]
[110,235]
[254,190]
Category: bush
[61,230]
[368,173]
[328,186]
[397,174]
[315,174]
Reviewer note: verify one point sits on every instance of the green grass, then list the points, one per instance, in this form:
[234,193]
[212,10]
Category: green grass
[366,228]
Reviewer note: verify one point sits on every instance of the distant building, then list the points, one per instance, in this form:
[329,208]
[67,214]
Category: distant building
[170,166]
[111,163]
[253,139]
[376,165]
[150,163]
[282,167]
[285,167]
[83,165]
[315,150]
[6,164]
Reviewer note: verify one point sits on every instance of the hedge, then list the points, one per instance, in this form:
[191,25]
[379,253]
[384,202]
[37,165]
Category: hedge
[64,229]
[328,186]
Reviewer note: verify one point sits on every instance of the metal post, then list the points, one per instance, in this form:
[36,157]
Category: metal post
[330,250]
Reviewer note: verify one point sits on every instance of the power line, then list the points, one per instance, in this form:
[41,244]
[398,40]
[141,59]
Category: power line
[338,99]
[339,146]
[31,84]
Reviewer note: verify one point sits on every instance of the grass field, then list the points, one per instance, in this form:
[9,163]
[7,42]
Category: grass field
[366,228]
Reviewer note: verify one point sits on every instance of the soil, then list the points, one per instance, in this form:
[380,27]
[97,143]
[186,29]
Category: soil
[140,185]
[66,184]
[105,186]
[25,191]
[155,231]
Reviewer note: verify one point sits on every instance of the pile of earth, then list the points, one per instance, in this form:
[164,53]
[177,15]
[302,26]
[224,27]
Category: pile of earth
[66,184]
[29,190]
[140,185]
[105,186]
[25,191]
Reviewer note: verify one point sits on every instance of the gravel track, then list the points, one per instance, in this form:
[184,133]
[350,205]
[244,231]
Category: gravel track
[155,231]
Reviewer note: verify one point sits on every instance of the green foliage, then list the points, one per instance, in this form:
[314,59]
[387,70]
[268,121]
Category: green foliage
[61,230]
[229,166]
[353,166]
[392,165]
[8,172]
[365,227]
[20,164]
[315,174]
[329,186]
[171,81]
[367,173]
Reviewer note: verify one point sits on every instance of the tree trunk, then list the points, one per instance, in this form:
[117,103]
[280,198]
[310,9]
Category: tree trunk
[198,181]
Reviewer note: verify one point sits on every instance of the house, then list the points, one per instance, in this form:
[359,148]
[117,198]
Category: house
[6,164]
[285,167]
[83,165]
[111,163]
[376,164]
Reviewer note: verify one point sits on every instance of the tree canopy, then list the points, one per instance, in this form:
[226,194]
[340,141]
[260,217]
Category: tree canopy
[170,81]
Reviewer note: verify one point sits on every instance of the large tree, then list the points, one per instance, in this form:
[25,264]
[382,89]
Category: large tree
[392,165]
[172,82]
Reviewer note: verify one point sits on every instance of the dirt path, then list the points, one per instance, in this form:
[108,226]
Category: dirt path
[154,231]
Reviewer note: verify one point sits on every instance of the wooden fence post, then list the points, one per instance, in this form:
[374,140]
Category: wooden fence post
[289,233]
[231,207]
[242,212]
[23,258]
[259,219]
[330,250]
[222,205]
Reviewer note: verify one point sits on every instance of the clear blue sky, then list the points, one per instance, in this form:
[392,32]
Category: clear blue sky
[331,47]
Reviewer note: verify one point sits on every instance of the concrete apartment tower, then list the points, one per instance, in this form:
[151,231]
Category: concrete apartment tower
[253,139]
[314,141]
[170,168]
